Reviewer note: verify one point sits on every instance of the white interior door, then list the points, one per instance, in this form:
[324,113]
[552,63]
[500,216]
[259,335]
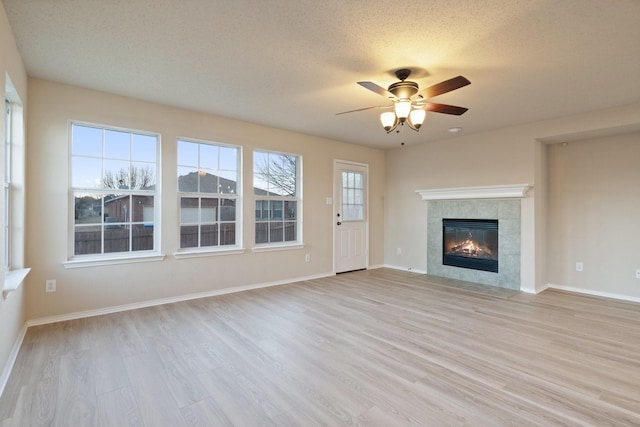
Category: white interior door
[350,215]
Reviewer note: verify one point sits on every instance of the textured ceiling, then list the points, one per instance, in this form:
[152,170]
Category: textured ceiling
[293,64]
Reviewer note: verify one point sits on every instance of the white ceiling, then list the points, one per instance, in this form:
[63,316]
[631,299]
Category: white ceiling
[294,64]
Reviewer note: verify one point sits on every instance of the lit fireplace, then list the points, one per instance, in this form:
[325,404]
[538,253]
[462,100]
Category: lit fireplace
[470,243]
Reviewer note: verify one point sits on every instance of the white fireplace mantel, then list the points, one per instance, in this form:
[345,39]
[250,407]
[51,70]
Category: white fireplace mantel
[516,191]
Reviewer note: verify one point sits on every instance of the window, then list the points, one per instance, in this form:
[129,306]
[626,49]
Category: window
[352,196]
[14,195]
[113,180]
[7,185]
[208,187]
[276,183]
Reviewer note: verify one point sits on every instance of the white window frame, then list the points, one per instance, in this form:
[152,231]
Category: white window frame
[353,197]
[14,195]
[274,197]
[129,256]
[7,184]
[199,221]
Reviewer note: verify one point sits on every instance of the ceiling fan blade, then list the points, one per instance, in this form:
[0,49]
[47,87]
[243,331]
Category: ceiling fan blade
[444,108]
[364,109]
[444,87]
[377,89]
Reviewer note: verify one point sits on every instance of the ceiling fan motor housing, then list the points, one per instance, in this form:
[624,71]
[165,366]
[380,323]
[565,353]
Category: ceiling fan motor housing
[403,89]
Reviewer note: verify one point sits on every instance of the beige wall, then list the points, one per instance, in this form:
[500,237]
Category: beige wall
[52,105]
[515,155]
[12,309]
[594,214]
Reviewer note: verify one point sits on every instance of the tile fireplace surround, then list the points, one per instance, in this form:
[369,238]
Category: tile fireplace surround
[499,202]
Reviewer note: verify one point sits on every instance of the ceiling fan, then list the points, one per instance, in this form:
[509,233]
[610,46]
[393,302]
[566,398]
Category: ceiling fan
[411,104]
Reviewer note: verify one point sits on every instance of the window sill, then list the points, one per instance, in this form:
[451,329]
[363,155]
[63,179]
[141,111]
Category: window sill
[13,279]
[112,260]
[197,253]
[278,247]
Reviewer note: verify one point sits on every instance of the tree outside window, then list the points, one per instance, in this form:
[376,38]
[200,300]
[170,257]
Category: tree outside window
[113,179]
[276,182]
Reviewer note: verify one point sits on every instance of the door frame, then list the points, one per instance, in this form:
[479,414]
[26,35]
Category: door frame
[334,207]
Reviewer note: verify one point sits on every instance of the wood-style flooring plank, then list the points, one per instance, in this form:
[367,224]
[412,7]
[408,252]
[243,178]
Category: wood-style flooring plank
[205,413]
[118,408]
[155,402]
[369,348]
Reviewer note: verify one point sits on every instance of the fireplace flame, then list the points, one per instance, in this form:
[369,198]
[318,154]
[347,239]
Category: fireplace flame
[470,248]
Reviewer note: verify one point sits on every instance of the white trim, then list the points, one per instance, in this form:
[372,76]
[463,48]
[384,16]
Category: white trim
[396,267]
[180,298]
[11,360]
[531,289]
[156,193]
[235,196]
[335,205]
[594,293]
[486,192]
[195,253]
[13,279]
[97,262]
[298,199]
[277,247]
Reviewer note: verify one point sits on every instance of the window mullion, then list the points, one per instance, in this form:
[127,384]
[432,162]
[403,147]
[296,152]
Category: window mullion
[199,212]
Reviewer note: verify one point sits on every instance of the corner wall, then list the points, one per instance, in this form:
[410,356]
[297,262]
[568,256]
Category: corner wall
[12,309]
[594,209]
[514,155]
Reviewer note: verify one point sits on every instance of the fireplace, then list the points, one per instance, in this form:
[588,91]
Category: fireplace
[470,243]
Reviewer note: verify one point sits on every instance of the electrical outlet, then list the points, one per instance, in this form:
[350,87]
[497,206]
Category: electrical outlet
[50,285]
[307,258]
[637,273]
[579,266]
[399,251]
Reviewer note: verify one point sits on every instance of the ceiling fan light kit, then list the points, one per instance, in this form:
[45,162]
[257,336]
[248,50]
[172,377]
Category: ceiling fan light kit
[413,118]
[388,120]
[416,118]
[409,103]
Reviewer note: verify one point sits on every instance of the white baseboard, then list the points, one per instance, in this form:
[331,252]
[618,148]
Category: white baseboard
[395,267]
[151,303]
[13,355]
[373,267]
[594,293]
[533,290]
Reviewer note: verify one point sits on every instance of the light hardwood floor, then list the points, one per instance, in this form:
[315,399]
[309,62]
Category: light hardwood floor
[371,348]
